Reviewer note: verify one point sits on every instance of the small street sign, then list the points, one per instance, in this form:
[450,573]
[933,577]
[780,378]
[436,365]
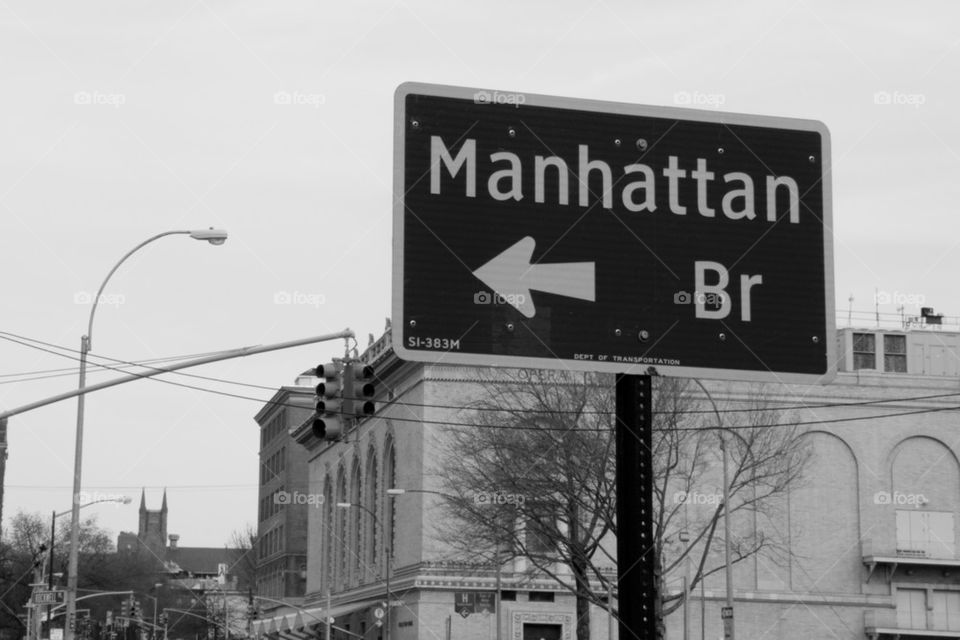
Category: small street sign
[464,602]
[486,602]
[378,613]
[536,231]
[726,613]
[49,597]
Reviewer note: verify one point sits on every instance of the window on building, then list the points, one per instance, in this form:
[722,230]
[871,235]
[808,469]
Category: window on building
[946,610]
[925,534]
[539,540]
[541,596]
[508,596]
[895,353]
[864,351]
[911,608]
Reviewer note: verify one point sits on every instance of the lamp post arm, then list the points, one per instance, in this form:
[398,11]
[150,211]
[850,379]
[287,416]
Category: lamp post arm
[103,285]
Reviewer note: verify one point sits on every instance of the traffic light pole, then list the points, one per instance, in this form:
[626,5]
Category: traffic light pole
[637,563]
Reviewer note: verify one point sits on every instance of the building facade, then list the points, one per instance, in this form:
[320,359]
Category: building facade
[869,535]
[863,546]
[283,503]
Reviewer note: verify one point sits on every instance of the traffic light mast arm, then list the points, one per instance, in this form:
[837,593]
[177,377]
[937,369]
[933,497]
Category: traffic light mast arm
[155,371]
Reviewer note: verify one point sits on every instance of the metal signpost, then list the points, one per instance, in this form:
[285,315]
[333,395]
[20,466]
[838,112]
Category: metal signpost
[545,232]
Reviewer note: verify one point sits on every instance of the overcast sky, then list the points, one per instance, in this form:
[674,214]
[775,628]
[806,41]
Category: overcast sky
[121,120]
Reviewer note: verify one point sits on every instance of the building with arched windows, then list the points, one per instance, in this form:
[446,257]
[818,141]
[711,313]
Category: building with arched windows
[866,542]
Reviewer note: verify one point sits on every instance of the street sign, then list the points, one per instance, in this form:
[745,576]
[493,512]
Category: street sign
[537,231]
[378,613]
[464,603]
[55,596]
[486,602]
[726,613]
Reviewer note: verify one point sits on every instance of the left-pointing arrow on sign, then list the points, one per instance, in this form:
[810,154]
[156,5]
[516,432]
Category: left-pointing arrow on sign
[511,275]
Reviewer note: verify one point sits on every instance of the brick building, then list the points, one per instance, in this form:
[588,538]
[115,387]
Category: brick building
[281,513]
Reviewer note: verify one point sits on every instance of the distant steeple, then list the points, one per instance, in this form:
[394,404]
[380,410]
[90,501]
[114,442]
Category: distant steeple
[163,507]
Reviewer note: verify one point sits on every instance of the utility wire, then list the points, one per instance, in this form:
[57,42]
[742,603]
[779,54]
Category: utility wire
[124,364]
[544,428]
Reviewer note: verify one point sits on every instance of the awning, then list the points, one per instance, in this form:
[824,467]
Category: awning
[291,626]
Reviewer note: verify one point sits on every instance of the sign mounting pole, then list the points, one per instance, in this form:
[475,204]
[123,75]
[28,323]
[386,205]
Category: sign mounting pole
[638,574]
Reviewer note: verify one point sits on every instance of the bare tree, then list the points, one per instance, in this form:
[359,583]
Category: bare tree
[243,556]
[536,479]
[764,463]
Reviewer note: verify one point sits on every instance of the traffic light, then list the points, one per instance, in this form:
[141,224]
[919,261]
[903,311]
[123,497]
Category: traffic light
[131,608]
[328,423]
[163,619]
[358,390]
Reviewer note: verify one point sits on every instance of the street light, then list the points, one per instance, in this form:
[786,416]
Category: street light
[156,586]
[53,523]
[389,551]
[211,235]
[728,624]
[499,563]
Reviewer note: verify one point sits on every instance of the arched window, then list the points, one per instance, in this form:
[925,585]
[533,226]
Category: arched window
[326,551]
[340,533]
[371,501]
[356,522]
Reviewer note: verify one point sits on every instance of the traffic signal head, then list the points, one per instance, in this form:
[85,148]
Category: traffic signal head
[328,422]
[359,390]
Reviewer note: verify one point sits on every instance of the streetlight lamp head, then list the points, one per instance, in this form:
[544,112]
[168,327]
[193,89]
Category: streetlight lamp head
[211,235]
[126,500]
[344,505]
[396,492]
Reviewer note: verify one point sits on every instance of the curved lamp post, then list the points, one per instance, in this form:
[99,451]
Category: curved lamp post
[53,525]
[728,623]
[214,237]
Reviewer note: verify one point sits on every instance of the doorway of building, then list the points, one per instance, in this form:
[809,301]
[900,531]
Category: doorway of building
[542,631]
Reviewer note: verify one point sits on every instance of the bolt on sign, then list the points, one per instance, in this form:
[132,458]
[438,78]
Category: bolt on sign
[538,231]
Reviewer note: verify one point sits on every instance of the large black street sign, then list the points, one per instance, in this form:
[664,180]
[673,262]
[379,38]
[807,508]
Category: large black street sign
[550,232]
